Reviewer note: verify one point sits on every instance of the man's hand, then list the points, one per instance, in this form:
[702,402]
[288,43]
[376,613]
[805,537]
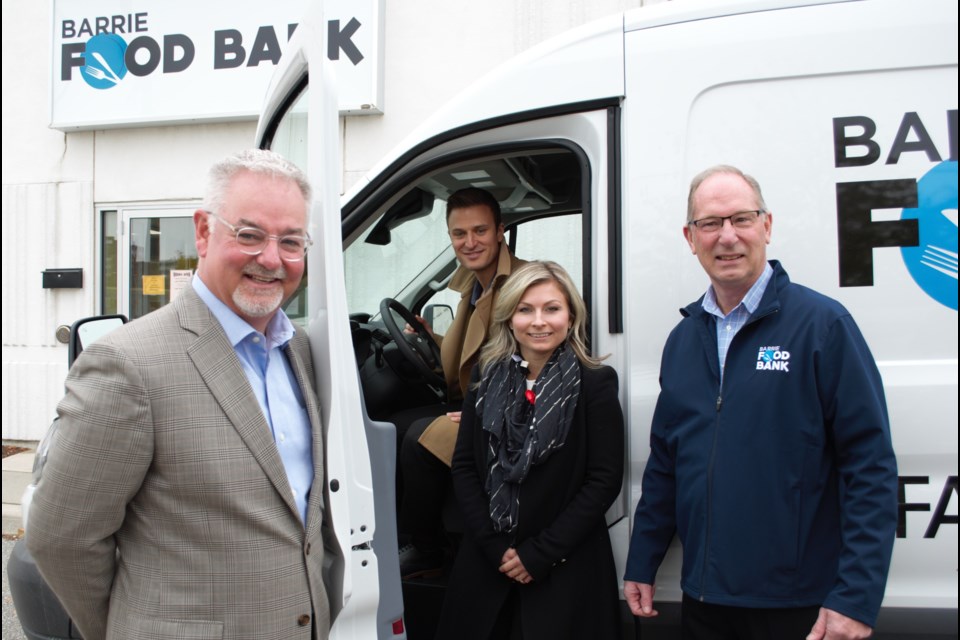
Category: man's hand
[639,597]
[513,568]
[831,625]
[408,329]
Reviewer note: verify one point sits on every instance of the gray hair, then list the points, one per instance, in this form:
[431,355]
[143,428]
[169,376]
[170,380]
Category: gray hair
[718,169]
[260,161]
[501,343]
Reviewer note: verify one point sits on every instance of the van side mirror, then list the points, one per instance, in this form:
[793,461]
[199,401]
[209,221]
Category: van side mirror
[439,317]
[86,331]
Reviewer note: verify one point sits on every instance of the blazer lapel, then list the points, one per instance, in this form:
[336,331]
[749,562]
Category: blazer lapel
[475,333]
[220,368]
[450,358]
[298,353]
[477,327]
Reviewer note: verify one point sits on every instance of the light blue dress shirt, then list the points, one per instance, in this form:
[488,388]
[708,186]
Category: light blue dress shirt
[275,387]
[728,325]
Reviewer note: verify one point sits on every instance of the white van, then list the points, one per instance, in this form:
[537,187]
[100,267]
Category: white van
[846,112]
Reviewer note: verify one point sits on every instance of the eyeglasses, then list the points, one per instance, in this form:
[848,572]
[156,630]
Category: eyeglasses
[738,220]
[253,241]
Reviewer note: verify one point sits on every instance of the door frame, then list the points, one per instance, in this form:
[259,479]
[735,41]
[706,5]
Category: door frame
[121,270]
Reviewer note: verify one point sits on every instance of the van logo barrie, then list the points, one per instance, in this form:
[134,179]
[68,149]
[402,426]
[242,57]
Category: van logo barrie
[926,232]
[773,359]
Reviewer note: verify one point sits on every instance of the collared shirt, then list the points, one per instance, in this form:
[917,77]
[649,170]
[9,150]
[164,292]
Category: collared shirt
[275,387]
[475,293]
[478,290]
[728,325]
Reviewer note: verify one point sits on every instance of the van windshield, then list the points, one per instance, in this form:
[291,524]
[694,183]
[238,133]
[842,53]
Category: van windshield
[402,249]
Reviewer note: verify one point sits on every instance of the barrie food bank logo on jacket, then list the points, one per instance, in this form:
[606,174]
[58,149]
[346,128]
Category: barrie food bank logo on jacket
[773,359]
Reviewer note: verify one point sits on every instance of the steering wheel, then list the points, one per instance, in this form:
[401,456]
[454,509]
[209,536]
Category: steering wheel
[419,348]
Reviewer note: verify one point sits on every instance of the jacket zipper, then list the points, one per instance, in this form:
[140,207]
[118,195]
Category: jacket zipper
[713,452]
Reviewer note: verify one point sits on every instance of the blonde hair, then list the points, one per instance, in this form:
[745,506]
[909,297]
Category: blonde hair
[501,344]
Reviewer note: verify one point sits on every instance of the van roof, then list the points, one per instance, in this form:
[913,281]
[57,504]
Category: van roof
[581,65]
[666,13]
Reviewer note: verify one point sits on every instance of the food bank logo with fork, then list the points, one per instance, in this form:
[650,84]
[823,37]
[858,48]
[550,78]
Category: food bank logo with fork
[773,358]
[103,61]
[933,262]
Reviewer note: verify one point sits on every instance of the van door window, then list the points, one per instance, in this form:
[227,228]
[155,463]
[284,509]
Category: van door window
[403,251]
[290,137]
[397,251]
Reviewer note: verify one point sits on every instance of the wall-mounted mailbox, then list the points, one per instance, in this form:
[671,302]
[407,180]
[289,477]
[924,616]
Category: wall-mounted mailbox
[63,278]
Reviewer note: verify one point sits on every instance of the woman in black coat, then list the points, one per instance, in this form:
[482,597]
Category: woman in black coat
[538,461]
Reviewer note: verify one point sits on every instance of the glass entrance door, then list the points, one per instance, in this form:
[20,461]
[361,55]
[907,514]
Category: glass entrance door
[158,259]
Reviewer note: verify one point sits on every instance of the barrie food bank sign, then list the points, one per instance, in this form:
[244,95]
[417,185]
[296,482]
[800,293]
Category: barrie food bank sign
[119,63]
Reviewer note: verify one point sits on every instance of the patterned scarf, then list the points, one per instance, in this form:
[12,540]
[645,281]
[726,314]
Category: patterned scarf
[523,433]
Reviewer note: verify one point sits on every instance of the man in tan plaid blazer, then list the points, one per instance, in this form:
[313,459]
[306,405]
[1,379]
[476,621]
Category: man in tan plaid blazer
[184,497]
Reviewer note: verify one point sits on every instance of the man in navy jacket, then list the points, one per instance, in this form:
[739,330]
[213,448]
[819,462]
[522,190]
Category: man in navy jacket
[770,446]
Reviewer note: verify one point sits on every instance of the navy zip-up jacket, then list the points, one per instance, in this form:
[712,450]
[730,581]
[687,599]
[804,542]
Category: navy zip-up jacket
[782,483]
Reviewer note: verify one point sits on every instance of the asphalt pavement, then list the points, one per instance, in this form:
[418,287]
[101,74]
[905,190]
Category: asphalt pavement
[11,626]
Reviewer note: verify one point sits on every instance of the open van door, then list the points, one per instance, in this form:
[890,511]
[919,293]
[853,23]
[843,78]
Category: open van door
[294,110]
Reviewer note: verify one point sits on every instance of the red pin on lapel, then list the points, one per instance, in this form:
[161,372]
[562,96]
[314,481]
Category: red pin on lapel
[530,396]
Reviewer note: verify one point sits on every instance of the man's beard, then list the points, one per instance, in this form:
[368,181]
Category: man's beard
[263,304]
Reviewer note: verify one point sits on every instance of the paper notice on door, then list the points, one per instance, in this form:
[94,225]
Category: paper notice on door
[154,285]
[179,280]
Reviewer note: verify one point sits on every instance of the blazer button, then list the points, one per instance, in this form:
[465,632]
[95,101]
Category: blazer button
[303,620]
[307,550]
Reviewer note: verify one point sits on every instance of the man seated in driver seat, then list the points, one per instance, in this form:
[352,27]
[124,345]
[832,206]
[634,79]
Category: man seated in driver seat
[476,233]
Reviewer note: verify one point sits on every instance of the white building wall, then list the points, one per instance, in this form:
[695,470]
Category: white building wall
[43,227]
[54,182]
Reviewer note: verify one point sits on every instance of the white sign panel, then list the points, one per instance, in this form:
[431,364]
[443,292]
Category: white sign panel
[179,280]
[140,62]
